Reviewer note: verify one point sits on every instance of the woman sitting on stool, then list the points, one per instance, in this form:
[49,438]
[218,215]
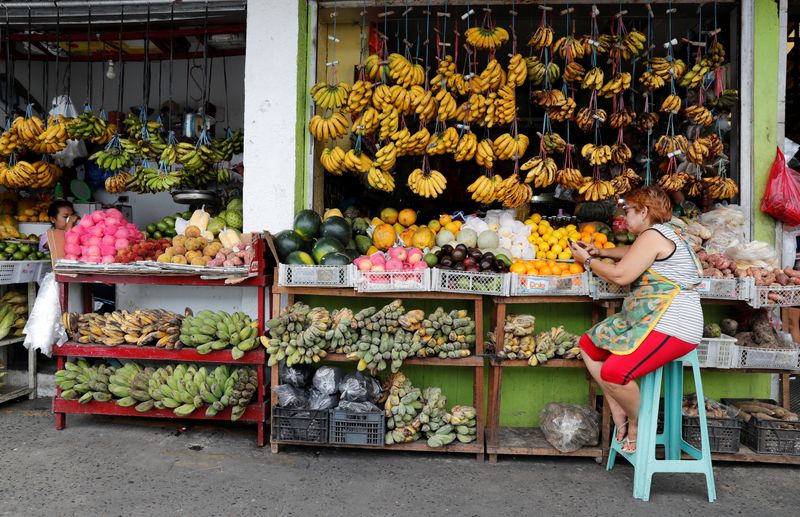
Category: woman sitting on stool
[660,320]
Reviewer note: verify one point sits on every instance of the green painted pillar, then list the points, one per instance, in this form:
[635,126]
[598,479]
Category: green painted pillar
[765,109]
[300,176]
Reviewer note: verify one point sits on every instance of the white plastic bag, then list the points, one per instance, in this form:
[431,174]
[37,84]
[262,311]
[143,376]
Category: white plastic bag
[727,228]
[44,323]
[62,105]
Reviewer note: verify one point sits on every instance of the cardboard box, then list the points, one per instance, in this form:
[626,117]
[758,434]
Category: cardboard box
[55,243]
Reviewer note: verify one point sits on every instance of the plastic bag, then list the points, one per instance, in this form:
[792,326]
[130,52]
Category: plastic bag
[354,388]
[44,323]
[568,428]
[373,389]
[297,376]
[291,397]
[62,105]
[326,379]
[753,254]
[782,196]
[713,408]
[725,217]
[359,407]
[320,400]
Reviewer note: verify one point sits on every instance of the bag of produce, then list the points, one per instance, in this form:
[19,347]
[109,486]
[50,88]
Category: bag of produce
[321,400]
[726,225]
[359,407]
[782,196]
[297,376]
[713,408]
[753,254]
[44,326]
[359,388]
[291,397]
[326,380]
[569,427]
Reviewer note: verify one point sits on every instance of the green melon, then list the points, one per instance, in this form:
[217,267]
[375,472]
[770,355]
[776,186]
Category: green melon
[335,259]
[324,246]
[287,242]
[307,223]
[300,258]
[337,228]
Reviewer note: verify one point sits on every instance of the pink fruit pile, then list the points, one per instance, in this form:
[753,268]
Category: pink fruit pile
[99,236]
[396,258]
[148,249]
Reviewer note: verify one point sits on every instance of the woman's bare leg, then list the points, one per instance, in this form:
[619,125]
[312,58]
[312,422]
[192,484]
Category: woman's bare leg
[618,413]
[628,397]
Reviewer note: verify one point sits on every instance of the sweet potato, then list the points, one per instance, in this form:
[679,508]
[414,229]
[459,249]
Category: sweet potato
[788,271]
[783,279]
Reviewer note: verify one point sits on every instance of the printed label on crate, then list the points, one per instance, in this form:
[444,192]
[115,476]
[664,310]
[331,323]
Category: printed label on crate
[704,286]
[537,284]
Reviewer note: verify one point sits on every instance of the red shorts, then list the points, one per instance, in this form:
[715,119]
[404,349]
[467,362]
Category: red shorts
[655,351]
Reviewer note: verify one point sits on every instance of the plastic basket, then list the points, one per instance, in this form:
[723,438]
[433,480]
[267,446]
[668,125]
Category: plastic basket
[723,433]
[768,358]
[351,428]
[787,296]
[20,271]
[723,289]
[717,352]
[446,280]
[528,285]
[389,281]
[603,289]
[300,425]
[769,436]
[316,276]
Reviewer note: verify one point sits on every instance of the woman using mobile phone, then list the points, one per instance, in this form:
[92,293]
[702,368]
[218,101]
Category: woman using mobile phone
[62,216]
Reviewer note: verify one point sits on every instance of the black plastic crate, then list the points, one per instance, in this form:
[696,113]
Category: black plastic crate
[770,436]
[724,434]
[300,425]
[351,428]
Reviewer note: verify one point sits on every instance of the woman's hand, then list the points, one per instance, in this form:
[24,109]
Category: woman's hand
[581,253]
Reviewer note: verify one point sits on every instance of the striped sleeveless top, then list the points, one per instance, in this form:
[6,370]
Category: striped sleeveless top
[684,317]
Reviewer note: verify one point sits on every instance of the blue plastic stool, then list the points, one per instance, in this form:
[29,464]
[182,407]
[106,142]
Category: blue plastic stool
[644,459]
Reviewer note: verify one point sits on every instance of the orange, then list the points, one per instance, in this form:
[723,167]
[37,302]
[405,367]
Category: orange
[586,238]
[444,219]
[531,269]
[518,268]
[609,245]
[546,271]
[589,228]
[600,238]
[566,273]
[552,263]
[575,268]
[452,227]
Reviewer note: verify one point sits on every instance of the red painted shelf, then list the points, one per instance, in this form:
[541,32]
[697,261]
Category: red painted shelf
[161,279]
[253,413]
[71,349]
[469,361]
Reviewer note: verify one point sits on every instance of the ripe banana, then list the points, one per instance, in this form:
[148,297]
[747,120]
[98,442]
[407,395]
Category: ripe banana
[428,185]
[594,189]
[330,96]
[483,38]
[329,126]
[542,37]
[541,171]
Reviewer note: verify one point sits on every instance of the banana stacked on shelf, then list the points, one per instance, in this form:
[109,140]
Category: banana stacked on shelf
[142,327]
[208,331]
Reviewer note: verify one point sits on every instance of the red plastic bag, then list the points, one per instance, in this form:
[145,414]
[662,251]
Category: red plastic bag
[782,196]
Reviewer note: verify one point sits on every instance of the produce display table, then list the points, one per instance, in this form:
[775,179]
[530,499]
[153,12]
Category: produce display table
[257,412]
[531,441]
[475,361]
[10,392]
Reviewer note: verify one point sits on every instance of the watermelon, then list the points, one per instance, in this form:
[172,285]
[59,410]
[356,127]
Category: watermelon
[234,219]
[286,242]
[235,204]
[335,259]
[337,228]
[324,246]
[353,254]
[299,258]
[307,223]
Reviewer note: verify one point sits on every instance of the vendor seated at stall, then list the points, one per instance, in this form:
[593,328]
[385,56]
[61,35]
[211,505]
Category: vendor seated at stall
[62,216]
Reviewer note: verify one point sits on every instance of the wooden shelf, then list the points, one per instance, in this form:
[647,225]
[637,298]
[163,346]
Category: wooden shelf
[12,340]
[71,349]
[471,361]
[552,363]
[746,454]
[542,299]
[14,393]
[254,413]
[162,279]
[417,446]
[530,441]
[351,293]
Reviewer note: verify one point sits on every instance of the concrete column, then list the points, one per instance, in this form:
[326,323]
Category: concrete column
[270,115]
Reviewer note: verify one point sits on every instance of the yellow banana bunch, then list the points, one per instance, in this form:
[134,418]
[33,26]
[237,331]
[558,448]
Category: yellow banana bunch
[473,110]
[694,187]
[621,118]
[484,154]
[458,85]
[672,104]
[666,69]
[28,129]
[427,106]
[694,77]
[506,147]
[359,97]
[604,43]
[467,145]
[594,189]
[376,69]
[542,37]
[651,81]
[618,84]
[569,178]
[403,72]
[333,160]
[593,79]
[552,143]
[329,126]
[621,153]
[330,96]
[493,76]
[574,72]
[53,139]
[647,121]
[118,183]
[667,145]
[20,175]
[444,142]
[512,193]
[418,143]
[382,97]
[484,189]
[357,162]
[548,98]
[517,71]
[9,143]
[486,38]
[714,145]
[389,122]
[367,122]
[586,117]
[596,154]
[562,112]
[537,71]
[631,45]
[504,107]
[428,185]
[621,184]
[48,174]
[541,171]
[380,180]
[699,115]
[386,157]
[673,182]
[699,151]
[448,108]
[401,139]
[568,44]
[721,188]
